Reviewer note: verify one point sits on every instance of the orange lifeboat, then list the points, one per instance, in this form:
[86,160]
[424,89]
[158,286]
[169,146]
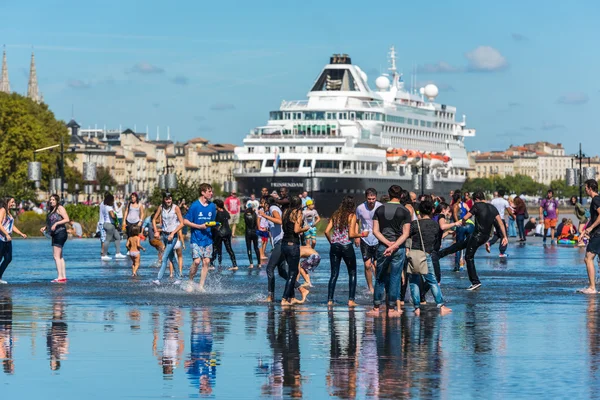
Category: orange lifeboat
[413,157]
[396,155]
[438,159]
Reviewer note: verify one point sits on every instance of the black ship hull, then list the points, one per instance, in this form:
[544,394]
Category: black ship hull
[328,192]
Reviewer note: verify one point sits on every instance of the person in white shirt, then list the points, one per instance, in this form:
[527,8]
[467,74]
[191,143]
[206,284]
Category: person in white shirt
[108,218]
[368,244]
[503,206]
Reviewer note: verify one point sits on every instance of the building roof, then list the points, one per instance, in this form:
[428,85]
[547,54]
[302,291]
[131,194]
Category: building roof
[222,147]
[198,140]
[73,124]
[139,154]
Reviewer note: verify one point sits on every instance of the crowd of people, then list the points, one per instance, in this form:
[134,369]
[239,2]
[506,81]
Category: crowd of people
[398,236]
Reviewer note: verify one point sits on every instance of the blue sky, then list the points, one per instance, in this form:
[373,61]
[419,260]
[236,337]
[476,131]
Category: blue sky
[520,71]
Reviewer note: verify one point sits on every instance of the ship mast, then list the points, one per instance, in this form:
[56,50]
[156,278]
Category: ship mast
[393,70]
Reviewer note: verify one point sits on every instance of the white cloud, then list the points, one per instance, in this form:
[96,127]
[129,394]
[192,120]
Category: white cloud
[573,98]
[485,59]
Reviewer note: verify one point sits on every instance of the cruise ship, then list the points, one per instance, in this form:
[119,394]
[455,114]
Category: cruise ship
[347,137]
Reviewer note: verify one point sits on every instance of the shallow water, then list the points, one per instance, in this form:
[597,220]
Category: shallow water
[526,333]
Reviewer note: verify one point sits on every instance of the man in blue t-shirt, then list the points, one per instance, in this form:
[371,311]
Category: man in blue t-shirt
[200,217]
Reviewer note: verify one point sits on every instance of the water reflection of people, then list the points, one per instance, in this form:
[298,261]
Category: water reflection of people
[57,339]
[285,378]
[173,344]
[343,362]
[593,330]
[201,367]
[6,334]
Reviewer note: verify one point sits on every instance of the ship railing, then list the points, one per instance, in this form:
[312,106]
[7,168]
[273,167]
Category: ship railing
[285,105]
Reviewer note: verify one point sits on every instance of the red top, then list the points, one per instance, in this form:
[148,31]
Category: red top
[233,205]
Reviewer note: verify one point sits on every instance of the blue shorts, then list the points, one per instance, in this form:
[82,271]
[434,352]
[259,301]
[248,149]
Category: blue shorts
[311,234]
[201,251]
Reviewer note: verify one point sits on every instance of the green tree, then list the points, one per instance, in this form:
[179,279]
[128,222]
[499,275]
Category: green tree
[186,189]
[24,127]
[561,189]
[104,178]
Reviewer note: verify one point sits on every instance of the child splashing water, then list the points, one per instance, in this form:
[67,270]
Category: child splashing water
[134,246]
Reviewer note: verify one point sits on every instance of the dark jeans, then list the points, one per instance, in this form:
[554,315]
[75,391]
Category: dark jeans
[5,256]
[337,253]
[435,260]
[521,225]
[388,276]
[462,233]
[497,236]
[218,249]
[252,241]
[470,246]
[291,253]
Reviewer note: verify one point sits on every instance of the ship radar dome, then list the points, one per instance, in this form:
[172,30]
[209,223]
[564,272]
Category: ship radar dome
[382,82]
[431,91]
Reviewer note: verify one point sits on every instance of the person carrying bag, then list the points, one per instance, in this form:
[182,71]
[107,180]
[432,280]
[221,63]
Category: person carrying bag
[425,234]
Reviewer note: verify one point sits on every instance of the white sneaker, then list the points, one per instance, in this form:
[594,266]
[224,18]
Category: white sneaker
[119,255]
[3,282]
[177,282]
[156,282]
[106,258]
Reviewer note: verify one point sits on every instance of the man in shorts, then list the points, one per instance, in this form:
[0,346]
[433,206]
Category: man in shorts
[233,205]
[592,231]
[311,218]
[549,214]
[200,217]
[368,244]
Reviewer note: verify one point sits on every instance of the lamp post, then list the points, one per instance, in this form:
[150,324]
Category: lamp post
[580,156]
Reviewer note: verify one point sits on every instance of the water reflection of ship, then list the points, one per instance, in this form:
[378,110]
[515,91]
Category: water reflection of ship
[57,340]
[6,334]
[201,366]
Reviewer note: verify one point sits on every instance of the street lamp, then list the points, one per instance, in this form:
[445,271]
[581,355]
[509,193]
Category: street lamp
[576,177]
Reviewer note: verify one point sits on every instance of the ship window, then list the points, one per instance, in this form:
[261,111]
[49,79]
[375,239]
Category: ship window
[292,149]
[338,150]
[269,163]
[416,122]
[360,115]
[327,164]
[423,123]
[319,149]
[409,121]
[267,149]
[310,149]
[281,149]
[332,80]
[250,149]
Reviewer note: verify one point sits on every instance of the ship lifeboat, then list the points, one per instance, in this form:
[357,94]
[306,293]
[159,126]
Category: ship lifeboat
[413,157]
[396,155]
[439,160]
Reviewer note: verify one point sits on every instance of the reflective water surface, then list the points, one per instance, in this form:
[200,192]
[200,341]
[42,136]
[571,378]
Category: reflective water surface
[526,333]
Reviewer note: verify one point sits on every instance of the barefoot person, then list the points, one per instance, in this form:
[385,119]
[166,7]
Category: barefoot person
[277,259]
[200,217]
[233,205]
[251,222]
[391,226]
[592,231]
[171,224]
[486,218]
[310,260]
[56,221]
[292,225]
[368,244]
[133,245]
[425,234]
[7,226]
[344,227]
[549,214]
[134,214]
[222,235]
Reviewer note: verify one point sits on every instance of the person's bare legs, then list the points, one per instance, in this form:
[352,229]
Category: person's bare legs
[204,272]
[59,262]
[180,261]
[591,270]
[136,264]
[369,272]
[304,292]
[170,270]
[305,276]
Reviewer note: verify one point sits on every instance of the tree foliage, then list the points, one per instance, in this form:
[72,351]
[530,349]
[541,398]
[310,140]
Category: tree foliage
[510,184]
[24,127]
[104,178]
[186,189]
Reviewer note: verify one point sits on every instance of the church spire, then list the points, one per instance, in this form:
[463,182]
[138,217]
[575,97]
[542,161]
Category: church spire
[32,90]
[4,82]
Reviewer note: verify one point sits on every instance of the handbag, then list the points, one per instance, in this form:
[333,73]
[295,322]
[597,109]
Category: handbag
[417,259]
